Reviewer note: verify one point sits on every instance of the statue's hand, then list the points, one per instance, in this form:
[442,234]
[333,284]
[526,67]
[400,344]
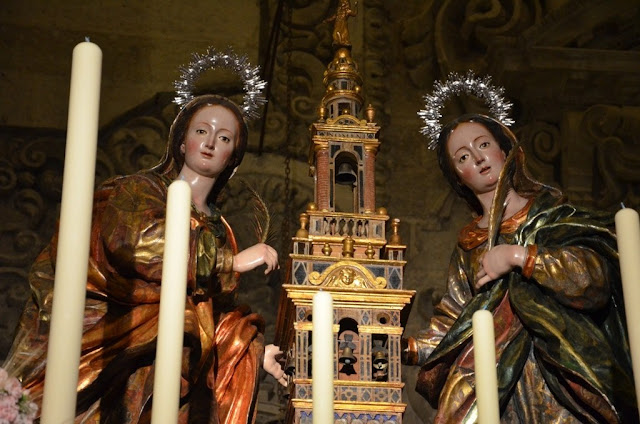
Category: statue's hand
[254,256]
[499,261]
[272,366]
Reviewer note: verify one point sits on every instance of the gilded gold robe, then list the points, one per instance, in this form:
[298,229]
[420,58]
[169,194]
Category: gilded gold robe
[562,353]
[222,345]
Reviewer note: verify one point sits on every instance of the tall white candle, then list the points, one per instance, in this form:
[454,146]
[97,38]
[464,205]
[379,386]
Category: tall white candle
[484,352]
[323,358]
[628,233]
[173,293]
[65,333]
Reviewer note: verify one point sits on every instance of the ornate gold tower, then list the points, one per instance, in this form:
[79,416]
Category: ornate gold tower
[341,247]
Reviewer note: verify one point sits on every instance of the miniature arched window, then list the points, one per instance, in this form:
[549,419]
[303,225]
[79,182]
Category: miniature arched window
[380,356]
[345,184]
[349,350]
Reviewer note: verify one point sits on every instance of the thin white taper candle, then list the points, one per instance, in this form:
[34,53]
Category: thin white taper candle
[69,293]
[628,233]
[484,352]
[173,293]
[322,358]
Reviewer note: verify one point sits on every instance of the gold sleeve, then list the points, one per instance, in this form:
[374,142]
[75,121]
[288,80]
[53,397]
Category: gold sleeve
[575,274]
[530,260]
[224,261]
[212,257]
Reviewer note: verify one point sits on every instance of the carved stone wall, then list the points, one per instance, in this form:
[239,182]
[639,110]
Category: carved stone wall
[569,67]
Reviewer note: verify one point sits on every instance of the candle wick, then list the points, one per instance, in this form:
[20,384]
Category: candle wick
[622,205]
[87,39]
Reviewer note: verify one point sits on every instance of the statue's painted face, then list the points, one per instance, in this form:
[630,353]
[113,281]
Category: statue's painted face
[210,140]
[476,156]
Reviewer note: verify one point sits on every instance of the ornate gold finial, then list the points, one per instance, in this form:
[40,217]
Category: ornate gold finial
[302,231]
[322,113]
[395,237]
[347,247]
[341,78]
[370,113]
[341,23]
[326,249]
[312,206]
[370,252]
[382,210]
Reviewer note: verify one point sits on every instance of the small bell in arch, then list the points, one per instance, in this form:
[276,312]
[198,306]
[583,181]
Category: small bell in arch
[347,359]
[380,366]
[346,174]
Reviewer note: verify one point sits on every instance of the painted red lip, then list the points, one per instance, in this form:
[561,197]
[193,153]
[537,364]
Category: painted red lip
[207,154]
[485,170]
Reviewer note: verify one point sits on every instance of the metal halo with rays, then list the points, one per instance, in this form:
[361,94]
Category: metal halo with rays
[455,85]
[212,59]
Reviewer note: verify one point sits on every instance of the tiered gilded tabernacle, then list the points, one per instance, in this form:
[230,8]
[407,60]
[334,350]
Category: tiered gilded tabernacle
[342,247]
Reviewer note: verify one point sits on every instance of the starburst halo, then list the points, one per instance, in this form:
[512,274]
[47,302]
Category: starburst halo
[212,59]
[455,85]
